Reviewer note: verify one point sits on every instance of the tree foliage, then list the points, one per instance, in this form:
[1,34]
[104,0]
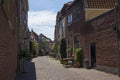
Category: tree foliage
[33,48]
[52,47]
[44,47]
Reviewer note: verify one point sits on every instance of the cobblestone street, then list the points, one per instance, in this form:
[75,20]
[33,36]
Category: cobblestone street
[46,68]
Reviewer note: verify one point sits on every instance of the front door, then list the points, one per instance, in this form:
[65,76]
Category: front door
[93,54]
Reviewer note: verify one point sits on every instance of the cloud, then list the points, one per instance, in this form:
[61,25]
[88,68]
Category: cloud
[42,22]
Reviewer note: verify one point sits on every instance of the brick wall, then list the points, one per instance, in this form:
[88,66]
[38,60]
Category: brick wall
[76,26]
[8,49]
[100,30]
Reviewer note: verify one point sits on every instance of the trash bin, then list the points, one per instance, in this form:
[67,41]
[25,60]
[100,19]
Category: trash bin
[86,63]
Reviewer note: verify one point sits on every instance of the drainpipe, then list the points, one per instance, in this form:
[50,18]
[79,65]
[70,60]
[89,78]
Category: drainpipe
[18,15]
[19,35]
[117,35]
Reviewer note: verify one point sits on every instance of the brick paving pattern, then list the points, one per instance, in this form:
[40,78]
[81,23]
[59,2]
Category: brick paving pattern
[45,68]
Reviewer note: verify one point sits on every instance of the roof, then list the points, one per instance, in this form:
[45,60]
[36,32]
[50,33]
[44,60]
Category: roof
[100,3]
[45,37]
[73,3]
[66,5]
[34,35]
[95,8]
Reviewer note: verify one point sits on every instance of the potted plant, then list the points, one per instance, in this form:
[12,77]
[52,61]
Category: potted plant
[78,57]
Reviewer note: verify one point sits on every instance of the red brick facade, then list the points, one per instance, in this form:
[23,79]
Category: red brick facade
[8,39]
[95,35]
[8,49]
[100,31]
[74,30]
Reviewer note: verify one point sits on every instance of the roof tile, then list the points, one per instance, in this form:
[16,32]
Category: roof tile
[100,3]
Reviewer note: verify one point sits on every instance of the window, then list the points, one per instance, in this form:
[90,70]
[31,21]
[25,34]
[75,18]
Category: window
[76,41]
[69,18]
[77,14]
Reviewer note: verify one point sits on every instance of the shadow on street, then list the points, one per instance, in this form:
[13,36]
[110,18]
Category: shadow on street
[29,72]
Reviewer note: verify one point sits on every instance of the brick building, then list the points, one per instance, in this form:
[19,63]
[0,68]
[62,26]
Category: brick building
[100,47]
[23,31]
[74,26]
[23,25]
[60,26]
[8,39]
[91,25]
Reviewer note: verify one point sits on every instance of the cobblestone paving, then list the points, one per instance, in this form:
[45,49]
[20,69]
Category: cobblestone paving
[49,69]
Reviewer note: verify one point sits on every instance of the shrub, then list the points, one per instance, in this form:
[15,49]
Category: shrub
[69,51]
[63,48]
[33,49]
[24,54]
[79,57]
[52,48]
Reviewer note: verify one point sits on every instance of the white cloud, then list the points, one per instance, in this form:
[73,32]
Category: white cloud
[42,22]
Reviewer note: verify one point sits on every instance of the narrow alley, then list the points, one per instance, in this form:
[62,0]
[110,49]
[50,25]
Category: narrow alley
[46,68]
[59,39]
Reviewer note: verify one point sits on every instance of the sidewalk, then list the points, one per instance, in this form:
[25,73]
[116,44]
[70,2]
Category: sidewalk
[29,72]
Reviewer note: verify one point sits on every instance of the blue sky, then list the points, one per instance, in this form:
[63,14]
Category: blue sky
[42,15]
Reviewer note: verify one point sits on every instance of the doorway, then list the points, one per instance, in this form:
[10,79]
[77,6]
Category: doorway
[93,54]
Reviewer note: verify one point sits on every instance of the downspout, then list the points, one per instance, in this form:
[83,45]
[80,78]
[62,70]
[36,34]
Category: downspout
[19,37]
[117,36]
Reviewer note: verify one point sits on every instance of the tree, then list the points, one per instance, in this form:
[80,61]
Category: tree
[33,48]
[44,47]
[52,47]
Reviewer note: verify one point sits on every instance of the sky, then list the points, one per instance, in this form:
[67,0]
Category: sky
[42,15]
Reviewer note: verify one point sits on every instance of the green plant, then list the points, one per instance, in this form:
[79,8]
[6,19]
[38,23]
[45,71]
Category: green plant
[33,48]
[43,50]
[79,57]
[69,51]
[52,48]
[24,54]
[45,46]
[63,48]
[27,52]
